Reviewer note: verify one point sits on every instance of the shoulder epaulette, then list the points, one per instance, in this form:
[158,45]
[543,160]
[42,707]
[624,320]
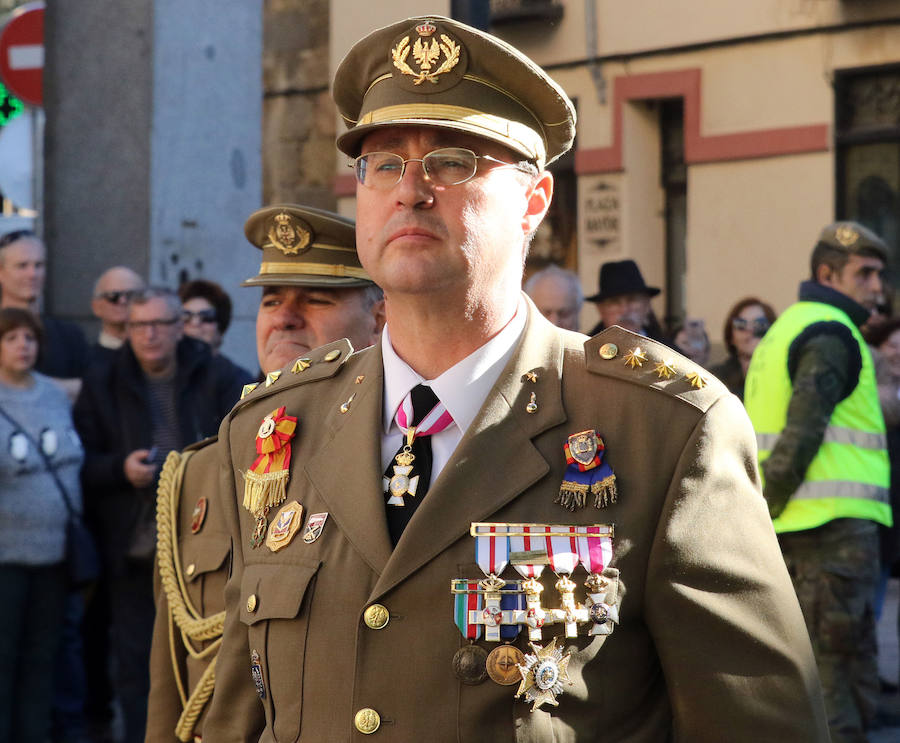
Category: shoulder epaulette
[202,444]
[323,362]
[616,352]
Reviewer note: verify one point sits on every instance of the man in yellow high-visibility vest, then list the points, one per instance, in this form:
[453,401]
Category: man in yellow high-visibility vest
[813,400]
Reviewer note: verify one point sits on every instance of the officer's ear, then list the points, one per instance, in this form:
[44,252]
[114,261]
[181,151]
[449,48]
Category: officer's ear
[538,202]
[825,274]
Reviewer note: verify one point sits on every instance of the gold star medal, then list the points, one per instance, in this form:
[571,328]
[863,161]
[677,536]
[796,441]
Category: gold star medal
[265,483]
[544,675]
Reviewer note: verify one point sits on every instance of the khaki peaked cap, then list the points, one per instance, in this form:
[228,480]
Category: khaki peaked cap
[854,238]
[434,71]
[303,246]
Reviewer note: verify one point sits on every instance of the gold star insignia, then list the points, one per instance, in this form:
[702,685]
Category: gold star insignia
[300,365]
[697,380]
[360,378]
[530,377]
[635,357]
[272,377]
[248,388]
[543,675]
[666,369]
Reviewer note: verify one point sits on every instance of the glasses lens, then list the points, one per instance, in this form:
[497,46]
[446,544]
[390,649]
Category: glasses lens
[117,297]
[155,324]
[205,316]
[379,169]
[739,323]
[450,165]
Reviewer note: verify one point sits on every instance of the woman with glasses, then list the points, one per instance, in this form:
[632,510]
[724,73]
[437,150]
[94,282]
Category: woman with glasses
[207,315]
[746,324]
[207,311]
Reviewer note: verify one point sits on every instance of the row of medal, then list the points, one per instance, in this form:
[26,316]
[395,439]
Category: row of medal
[496,609]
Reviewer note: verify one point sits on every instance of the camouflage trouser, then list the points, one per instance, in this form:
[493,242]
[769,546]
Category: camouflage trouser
[834,569]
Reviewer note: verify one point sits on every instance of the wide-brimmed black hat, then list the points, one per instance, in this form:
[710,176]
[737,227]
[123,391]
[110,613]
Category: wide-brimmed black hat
[621,277]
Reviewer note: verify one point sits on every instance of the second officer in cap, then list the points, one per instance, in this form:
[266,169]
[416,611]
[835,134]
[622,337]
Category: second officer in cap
[314,291]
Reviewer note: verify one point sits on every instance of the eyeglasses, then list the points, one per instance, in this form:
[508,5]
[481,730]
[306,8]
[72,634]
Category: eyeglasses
[117,297]
[448,166]
[760,325]
[137,325]
[203,316]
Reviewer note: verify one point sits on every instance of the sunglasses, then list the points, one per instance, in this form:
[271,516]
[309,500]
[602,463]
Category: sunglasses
[759,326]
[203,316]
[117,297]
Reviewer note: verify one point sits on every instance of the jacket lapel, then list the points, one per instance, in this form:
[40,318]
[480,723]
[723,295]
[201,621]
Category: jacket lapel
[495,460]
[346,470]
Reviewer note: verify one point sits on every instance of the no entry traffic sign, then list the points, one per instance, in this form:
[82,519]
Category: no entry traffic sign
[22,53]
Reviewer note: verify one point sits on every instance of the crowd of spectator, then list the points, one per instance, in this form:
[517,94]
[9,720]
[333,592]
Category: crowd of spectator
[95,419]
[100,419]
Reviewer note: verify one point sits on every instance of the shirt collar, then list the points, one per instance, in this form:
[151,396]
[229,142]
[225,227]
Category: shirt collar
[108,340]
[464,387]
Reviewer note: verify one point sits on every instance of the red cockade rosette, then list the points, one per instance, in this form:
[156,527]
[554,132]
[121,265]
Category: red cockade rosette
[265,483]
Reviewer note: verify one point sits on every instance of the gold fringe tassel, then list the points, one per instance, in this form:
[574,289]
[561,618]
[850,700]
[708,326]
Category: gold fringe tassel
[264,491]
[605,491]
[572,495]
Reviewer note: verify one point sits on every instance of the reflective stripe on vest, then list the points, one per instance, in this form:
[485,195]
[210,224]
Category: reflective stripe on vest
[833,435]
[850,475]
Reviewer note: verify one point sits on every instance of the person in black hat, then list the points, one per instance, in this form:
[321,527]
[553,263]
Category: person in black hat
[624,300]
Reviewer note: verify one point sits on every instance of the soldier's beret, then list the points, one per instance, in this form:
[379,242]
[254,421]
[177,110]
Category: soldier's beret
[852,237]
[434,71]
[305,247]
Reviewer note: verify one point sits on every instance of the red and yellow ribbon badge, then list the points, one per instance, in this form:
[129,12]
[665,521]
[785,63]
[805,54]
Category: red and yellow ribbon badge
[265,483]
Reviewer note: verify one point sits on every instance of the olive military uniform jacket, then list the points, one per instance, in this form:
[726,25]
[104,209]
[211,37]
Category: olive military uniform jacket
[710,643]
[193,556]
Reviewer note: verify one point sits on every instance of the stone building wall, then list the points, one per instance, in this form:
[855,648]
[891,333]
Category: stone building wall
[298,114]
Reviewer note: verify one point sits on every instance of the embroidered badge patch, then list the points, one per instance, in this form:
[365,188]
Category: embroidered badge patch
[284,526]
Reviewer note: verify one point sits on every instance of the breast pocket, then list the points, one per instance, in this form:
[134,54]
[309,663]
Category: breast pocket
[275,606]
[205,567]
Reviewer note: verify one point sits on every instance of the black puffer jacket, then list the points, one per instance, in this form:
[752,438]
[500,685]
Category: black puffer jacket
[112,416]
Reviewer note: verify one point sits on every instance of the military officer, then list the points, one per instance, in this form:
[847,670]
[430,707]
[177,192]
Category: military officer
[314,290]
[485,527]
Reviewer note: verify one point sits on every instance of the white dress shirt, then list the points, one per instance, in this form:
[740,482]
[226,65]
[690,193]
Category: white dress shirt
[463,388]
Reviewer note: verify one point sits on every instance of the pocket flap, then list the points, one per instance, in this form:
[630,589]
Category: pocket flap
[275,591]
[206,552]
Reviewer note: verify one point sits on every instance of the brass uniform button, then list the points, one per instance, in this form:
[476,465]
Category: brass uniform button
[608,351]
[367,721]
[252,603]
[189,570]
[376,617]
[331,356]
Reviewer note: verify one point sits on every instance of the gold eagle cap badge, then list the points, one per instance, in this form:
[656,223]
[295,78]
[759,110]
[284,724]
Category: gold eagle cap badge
[846,235]
[434,54]
[288,234]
